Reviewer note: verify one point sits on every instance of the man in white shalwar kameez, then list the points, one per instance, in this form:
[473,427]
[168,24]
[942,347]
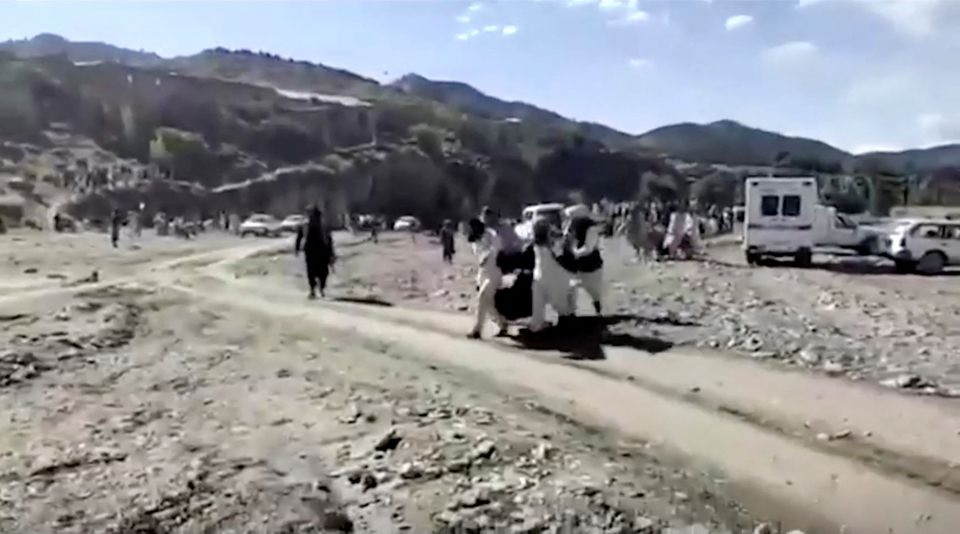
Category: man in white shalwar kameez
[486,246]
[676,229]
[552,284]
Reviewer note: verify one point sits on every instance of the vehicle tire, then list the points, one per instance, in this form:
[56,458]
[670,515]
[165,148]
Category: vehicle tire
[932,262]
[904,266]
[752,258]
[244,234]
[867,246]
[803,258]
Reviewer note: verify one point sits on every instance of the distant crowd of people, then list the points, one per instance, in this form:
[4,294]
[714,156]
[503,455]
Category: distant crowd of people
[546,271]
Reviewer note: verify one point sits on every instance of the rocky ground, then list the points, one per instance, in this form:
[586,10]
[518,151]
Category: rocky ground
[130,407]
[848,317]
[148,399]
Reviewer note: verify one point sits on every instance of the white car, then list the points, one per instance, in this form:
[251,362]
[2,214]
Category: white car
[293,223]
[553,212]
[261,225]
[407,223]
[925,245]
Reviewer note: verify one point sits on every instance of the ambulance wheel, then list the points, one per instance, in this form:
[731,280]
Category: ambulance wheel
[803,257]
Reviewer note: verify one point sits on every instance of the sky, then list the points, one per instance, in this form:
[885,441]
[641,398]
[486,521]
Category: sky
[859,74]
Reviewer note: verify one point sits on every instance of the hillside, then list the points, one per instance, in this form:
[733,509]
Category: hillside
[251,131]
[916,160]
[732,143]
[47,44]
[471,100]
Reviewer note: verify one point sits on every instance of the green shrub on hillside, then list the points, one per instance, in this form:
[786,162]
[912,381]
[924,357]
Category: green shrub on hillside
[429,139]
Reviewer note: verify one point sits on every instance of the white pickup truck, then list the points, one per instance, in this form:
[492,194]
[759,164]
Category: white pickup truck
[836,230]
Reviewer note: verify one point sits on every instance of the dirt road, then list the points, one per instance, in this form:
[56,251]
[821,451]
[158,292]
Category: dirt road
[202,391]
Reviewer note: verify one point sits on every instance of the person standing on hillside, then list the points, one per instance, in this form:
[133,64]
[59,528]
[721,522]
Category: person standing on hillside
[318,251]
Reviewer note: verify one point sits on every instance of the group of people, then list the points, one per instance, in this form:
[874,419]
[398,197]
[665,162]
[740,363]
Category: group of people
[548,270]
[674,231]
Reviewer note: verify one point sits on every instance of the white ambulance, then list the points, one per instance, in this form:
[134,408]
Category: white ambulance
[779,216]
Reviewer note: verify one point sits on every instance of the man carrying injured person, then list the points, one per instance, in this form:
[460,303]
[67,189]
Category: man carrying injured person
[582,243]
[486,245]
[551,282]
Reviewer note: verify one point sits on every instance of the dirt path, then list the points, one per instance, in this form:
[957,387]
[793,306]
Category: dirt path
[821,485]
[187,396]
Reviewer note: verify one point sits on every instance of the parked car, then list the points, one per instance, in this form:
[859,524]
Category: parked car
[924,245]
[292,223]
[407,223]
[261,225]
[553,212]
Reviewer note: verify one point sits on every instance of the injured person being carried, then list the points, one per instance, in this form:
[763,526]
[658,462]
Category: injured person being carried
[542,274]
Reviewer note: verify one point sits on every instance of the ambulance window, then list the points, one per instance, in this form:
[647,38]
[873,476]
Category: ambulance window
[769,205]
[791,206]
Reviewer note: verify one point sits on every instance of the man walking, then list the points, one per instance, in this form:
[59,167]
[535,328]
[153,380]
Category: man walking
[116,221]
[582,237]
[318,252]
[447,241]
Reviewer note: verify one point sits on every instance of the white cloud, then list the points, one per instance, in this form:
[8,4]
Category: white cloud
[474,7]
[937,128]
[916,18]
[634,17]
[913,18]
[614,5]
[738,21]
[790,54]
[467,35]
[639,63]
[580,2]
[877,92]
[463,19]
[489,28]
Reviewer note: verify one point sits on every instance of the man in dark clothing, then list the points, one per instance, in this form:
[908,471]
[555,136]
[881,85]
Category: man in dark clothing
[317,250]
[447,240]
[116,221]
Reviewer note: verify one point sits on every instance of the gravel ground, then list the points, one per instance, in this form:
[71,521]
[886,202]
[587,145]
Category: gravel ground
[847,317]
[134,408]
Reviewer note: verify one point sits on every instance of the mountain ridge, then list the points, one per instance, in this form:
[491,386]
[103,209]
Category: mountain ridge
[725,141]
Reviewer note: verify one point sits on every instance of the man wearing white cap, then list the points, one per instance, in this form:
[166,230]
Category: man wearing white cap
[582,236]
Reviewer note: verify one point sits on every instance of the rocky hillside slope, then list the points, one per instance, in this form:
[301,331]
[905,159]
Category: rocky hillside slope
[222,137]
[251,131]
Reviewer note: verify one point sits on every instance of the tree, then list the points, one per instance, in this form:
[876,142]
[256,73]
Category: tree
[846,201]
[716,189]
[429,139]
